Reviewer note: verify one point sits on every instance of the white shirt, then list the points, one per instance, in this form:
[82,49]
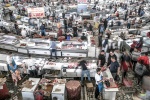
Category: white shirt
[9,59]
[30,63]
[98,77]
[23,33]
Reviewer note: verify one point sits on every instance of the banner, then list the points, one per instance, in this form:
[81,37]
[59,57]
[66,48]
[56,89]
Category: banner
[82,1]
[36,12]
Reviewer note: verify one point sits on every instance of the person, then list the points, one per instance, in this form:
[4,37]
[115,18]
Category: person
[53,48]
[111,54]
[16,28]
[65,25]
[137,44]
[144,59]
[42,27]
[30,62]
[139,10]
[83,37]
[99,82]
[101,29]
[23,33]
[129,23]
[9,59]
[114,67]
[85,70]
[1,24]
[135,55]
[101,59]
[100,40]
[39,93]
[60,32]
[105,24]
[125,63]
[126,15]
[75,29]
[14,73]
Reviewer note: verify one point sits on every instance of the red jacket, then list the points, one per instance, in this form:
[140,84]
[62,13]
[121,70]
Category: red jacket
[145,60]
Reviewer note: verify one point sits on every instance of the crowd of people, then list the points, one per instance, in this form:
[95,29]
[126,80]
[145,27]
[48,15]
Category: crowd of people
[119,62]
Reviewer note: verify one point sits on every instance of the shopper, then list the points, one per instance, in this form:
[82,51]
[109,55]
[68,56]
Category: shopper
[99,83]
[75,29]
[125,63]
[100,40]
[53,49]
[111,54]
[85,70]
[30,62]
[145,59]
[105,24]
[39,94]
[42,27]
[101,59]
[135,55]
[114,68]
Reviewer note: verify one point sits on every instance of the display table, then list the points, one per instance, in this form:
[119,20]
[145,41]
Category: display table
[59,92]
[28,93]
[109,93]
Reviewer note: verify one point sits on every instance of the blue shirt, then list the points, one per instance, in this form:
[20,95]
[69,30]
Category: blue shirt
[53,45]
[114,67]
[12,68]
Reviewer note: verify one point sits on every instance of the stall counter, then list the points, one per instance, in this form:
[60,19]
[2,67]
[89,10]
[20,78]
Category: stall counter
[28,93]
[109,93]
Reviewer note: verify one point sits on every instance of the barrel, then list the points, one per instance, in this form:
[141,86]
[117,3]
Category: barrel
[73,90]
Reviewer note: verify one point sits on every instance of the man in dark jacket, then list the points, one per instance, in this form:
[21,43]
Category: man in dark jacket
[109,58]
[101,59]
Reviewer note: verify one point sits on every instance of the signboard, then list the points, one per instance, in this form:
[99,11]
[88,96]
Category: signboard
[36,12]
[82,1]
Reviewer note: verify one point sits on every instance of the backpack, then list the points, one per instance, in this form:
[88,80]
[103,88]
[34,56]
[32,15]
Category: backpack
[140,69]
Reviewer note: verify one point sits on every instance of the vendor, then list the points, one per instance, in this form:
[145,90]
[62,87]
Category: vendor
[42,27]
[53,49]
[30,62]
[85,70]
[23,33]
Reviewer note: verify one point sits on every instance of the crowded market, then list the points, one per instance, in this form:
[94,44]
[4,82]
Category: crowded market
[74,49]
